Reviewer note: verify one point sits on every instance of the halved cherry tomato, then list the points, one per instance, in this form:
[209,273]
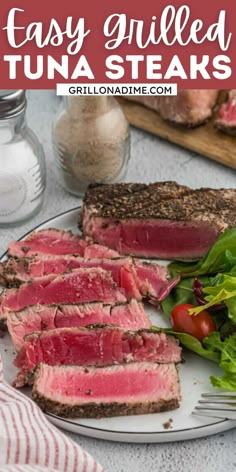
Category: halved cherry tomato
[199,326]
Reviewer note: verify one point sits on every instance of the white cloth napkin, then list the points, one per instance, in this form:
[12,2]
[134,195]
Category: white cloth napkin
[28,442]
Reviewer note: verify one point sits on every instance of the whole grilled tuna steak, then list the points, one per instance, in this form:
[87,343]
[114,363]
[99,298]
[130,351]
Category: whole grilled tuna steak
[95,392]
[48,317]
[160,220]
[57,242]
[99,345]
[80,285]
[189,108]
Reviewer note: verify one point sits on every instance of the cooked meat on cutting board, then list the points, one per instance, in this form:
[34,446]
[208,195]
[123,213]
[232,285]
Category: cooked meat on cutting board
[189,108]
[95,345]
[226,116]
[160,220]
[94,392]
[48,317]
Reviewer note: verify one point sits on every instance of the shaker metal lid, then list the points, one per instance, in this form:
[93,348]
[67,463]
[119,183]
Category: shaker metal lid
[12,102]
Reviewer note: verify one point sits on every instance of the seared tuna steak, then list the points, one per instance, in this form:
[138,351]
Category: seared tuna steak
[162,220]
[48,241]
[80,285]
[226,117]
[98,345]
[137,279]
[15,271]
[56,242]
[44,317]
[189,108]
[94,392]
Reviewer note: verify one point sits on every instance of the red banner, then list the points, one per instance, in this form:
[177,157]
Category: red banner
[188,43]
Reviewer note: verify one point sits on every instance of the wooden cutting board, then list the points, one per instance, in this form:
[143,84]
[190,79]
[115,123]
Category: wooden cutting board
[204,140]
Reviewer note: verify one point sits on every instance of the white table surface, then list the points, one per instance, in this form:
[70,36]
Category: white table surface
[151,159]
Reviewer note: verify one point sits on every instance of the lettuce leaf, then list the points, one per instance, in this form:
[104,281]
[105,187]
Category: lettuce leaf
[223,289]
[227,350]
[217,274]
[226,382]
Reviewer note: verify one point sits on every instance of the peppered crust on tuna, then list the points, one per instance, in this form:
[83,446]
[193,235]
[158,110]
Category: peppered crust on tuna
[162,219]
[95,392]
[102,410]
[167,200]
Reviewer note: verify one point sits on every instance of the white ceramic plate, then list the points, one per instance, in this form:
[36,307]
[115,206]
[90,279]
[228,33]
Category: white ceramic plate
[194,380]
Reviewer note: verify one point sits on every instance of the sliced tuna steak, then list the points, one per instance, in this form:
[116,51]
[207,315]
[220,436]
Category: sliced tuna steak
[56,242]
[148,280]
[226,117]
[162,220]
[99,346]
[189,108]
[48,241]
[94,392]
[16,271]
[44,317]
[80,285]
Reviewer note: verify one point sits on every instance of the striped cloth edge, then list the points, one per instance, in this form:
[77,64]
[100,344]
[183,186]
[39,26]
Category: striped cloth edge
[28,442]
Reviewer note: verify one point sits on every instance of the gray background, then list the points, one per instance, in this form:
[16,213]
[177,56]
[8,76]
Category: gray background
[151,159]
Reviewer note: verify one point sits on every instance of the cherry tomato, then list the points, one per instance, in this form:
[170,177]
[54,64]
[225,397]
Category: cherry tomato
[199,326]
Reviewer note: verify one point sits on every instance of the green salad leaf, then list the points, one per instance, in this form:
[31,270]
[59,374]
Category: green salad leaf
[222,289]
[182,293]
[227,382]
[216,273]
[220,258]
[231,305]
[227,351]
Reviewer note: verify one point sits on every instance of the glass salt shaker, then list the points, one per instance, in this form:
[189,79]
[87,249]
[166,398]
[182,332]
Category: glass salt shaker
[22,162]
[91,142]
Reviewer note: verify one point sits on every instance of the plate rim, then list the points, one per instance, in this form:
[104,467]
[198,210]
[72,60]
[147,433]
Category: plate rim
[157,437]
[114,435]
[110,431]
